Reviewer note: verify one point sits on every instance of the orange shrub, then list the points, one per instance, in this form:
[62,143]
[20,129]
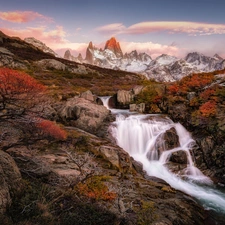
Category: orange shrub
[207,94]
[50,128]
[208,109]
[173,89]
[96,189]
[197,81]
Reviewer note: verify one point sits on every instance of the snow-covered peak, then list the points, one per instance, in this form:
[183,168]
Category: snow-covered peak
[217,57]
[164,68]
[165,59]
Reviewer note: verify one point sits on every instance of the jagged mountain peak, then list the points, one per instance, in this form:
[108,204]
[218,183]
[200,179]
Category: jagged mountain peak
[67,54]
[165,59]
[90,45]
[114,46]
[217,57]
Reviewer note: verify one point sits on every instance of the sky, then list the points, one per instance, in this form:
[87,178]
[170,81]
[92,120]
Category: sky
[174,27]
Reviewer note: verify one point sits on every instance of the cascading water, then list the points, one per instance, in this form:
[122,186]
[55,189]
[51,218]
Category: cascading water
[139,134]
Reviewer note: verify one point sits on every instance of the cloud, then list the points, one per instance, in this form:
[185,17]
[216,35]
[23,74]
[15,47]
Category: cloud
[153,49]
[190,28]
[49,36]
[113,28]
[22,16]
[53,38]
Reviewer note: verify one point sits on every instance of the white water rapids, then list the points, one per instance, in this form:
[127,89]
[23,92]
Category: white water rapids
[139,135]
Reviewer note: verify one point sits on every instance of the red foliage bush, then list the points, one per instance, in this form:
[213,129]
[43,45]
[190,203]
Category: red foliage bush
[173,89]
[206,94]
[16,82]
[96,189]
[50,128]
[19,92]
[208,109]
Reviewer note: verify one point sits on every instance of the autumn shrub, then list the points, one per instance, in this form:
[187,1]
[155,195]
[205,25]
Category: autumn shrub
[173,89]
[96,189]
[19,93]
[195,82]
[148,95]
[207,94]
[49,128]
[208,109]
[220,92]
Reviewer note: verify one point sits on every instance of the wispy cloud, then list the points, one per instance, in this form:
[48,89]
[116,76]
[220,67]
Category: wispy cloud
[153,49]
[113,28]
[190,28]
[53,38]
[22,16]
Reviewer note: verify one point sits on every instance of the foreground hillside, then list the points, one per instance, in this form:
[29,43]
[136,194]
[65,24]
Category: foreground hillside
[58,163]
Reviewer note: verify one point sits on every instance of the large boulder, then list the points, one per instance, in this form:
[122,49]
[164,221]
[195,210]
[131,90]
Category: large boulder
[84,114]
[10,180]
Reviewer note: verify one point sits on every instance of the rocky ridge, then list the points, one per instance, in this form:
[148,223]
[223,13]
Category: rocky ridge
[40,45]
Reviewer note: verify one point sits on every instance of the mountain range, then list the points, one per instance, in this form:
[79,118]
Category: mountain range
[163,68]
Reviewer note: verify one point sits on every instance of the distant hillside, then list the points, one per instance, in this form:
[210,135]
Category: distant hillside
[64,77]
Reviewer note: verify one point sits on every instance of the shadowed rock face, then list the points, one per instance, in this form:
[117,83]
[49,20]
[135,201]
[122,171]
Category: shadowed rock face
[10,180]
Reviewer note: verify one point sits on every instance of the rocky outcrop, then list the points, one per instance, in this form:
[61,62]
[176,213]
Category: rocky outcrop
[51,64]
[137,107]
[10,180]
[40,45]
[84,114]
[135,198]
[7,60]
[88,96]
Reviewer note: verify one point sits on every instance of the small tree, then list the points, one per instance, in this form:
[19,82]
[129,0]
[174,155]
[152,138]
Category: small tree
[19,94]
[21,104]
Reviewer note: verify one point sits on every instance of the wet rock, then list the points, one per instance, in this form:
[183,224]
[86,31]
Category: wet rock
[167,141]
[179,157]
[137,107]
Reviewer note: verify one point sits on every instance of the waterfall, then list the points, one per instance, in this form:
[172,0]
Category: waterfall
[105,101]
[139,134]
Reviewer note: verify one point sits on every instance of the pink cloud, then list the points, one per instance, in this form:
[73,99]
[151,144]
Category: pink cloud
[54,38]
[22,16]
[50,37]
[113,28]
[153,49]
[191,28]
